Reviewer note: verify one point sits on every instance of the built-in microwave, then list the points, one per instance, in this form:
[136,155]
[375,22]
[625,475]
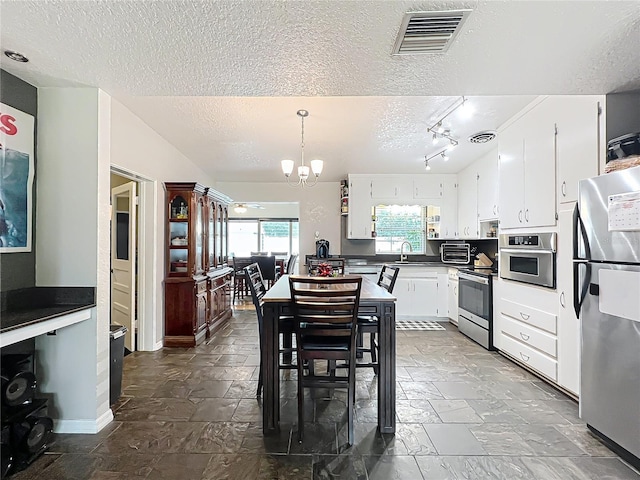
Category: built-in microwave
[528,258]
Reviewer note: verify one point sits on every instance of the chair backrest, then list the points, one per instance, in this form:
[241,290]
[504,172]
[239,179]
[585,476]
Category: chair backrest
[267,265]
[257,288]
[388,277]
[253,254]
[291,264]
[337,264]
[240,262]
[323,305]
[280,254]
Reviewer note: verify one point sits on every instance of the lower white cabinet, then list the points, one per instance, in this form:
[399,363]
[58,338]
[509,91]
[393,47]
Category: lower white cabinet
[421,292]
[452,298]
[527,324]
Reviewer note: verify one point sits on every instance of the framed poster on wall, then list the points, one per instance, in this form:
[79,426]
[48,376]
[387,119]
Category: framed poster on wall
[17,170]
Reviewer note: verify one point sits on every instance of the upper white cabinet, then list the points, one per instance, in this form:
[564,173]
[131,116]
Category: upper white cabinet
[449,207]
[391,187]
[428,186]
[468,203]
[580,134]
[359,222]
[527,170]
[487,168]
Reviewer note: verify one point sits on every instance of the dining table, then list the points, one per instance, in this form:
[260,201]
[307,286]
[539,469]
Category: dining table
[374,301]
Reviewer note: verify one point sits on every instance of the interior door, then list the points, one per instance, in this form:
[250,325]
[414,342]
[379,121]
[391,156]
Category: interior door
[123,259]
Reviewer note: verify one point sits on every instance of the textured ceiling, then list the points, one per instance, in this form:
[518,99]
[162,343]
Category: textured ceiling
[204,63]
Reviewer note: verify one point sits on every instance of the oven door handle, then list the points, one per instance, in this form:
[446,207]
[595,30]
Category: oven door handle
[473,278]
[518,251]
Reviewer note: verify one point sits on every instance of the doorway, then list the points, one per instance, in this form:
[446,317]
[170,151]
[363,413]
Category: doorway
[133,259]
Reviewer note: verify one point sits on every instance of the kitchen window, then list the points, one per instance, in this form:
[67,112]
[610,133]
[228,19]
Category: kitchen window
[264,235]
[399,223]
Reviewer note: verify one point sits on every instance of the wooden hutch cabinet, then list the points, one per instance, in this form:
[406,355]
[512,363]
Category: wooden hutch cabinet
[197,282]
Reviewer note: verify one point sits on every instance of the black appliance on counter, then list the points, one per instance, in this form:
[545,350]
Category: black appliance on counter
[322,248]
[475,304]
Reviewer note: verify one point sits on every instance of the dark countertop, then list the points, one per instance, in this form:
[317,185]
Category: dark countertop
[37,304]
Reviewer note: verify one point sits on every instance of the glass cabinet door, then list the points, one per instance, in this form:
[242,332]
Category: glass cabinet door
[199,236]
[219,234]
[178,212]
[211,232]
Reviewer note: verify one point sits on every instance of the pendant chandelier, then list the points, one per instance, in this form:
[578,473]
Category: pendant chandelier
[303,170]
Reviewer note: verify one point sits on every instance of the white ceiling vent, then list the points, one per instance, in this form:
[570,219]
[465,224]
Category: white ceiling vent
[428,32]
[482,137]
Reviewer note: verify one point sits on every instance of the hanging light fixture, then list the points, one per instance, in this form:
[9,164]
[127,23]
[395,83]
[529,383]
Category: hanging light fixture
[303,170]
[240,208]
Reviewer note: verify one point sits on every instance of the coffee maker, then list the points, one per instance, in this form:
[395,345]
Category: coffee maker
[322,248]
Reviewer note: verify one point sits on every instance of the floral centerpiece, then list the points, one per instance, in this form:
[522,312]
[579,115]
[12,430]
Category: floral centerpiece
[325,270]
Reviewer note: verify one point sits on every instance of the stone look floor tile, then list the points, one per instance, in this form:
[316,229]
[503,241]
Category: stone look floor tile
[462,412]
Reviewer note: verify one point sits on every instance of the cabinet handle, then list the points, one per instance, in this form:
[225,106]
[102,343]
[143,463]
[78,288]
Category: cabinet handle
[524,316]
[395,190]
[524,357]
[494,209]
[416,194]
[564,189]
[526,215]
[524,336]
[455,290]
[520,216]
[562,300]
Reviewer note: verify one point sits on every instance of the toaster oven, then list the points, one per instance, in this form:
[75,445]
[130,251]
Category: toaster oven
[459,253]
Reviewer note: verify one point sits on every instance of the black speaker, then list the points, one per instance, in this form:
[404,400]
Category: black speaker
[26,433]
[17,379]
[6,452]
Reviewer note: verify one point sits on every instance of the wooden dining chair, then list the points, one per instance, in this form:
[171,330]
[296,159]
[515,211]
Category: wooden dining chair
[325,312]
[291,264]
[239,284]
[371,324]
[267,267]
[258,288]
[337,265]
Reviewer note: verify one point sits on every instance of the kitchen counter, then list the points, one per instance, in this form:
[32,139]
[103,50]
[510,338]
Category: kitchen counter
[29,306]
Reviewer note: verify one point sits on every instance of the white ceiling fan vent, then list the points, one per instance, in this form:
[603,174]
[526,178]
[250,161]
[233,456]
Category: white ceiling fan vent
[428,32]
[482,137]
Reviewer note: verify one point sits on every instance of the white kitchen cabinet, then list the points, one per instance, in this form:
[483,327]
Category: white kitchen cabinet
[487,168]
[527,324]
[426,186]
[580,134]
[527,170]
[449,207]
[421,292]
[391,188]
[452,298]
[468,203]
[359,220]
[568,323]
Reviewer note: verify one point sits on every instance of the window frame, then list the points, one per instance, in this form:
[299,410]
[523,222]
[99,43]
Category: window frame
[423,233]
[259,221]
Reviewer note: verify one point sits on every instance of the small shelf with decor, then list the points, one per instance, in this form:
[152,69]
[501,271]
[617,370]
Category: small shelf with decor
[344,198]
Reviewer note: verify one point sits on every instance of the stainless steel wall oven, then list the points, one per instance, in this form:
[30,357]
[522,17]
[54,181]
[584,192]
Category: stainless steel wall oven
[529,258]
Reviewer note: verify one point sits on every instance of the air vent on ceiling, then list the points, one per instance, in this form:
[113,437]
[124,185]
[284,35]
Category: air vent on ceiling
[428,32]
[482,137]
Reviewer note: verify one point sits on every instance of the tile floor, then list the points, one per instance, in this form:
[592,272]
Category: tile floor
[462,412]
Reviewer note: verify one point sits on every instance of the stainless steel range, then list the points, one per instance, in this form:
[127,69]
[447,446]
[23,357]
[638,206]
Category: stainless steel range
[475,305]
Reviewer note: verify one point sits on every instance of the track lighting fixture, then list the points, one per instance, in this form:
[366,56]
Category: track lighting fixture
[438,131]
[427,167]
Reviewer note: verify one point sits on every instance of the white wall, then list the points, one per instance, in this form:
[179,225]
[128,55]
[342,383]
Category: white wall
[319,208]
[269,210]
[72,195]
[138,149]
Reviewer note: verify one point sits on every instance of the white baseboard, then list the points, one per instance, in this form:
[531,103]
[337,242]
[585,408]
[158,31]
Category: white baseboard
[158,345]
[83,426]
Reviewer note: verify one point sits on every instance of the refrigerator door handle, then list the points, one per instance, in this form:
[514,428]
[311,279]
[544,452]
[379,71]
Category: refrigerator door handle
[579,229]
[579,294]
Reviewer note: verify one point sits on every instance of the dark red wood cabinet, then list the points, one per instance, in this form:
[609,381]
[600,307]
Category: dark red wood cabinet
[197,278]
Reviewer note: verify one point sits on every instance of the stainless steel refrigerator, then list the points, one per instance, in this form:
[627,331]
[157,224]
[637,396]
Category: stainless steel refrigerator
[607,300]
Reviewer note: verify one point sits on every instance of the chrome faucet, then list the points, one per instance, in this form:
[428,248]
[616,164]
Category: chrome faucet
[403,256]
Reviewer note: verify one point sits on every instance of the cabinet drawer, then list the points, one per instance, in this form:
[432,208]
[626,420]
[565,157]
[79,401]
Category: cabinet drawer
[530,336]
[530,357]
[201,287]
[532,316]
